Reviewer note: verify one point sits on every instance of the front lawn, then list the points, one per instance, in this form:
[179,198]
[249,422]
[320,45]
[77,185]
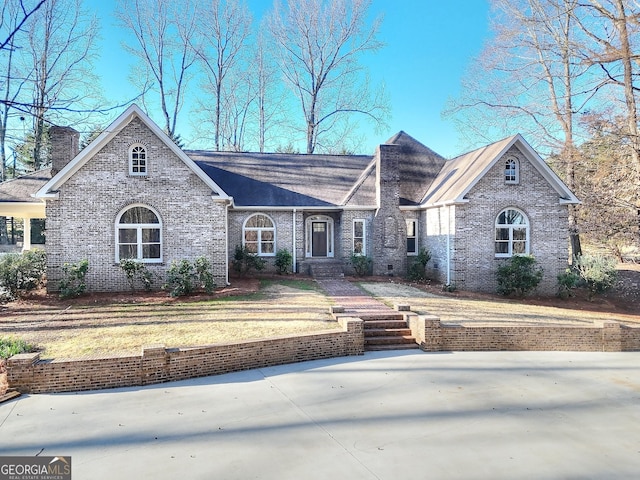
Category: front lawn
[108,324]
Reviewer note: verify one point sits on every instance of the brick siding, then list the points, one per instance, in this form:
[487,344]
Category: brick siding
[472,228]
[81,222]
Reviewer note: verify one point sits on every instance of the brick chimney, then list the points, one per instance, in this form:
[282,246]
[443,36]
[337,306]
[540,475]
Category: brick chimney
[389,227]
[64,143]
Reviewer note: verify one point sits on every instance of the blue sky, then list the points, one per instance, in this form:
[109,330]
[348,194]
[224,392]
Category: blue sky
[429,44]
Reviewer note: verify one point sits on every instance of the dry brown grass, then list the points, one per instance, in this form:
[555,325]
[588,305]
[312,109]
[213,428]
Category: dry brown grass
[75,330]
[491,310]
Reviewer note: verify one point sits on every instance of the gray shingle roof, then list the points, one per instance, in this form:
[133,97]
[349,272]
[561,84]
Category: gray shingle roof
[279,179]
[21,188]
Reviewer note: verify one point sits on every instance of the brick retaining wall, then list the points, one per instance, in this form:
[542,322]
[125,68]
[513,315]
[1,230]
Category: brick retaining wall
[157,364]
[609,337]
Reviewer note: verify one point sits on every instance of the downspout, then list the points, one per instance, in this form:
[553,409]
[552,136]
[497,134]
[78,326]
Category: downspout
[293,267]
[448,245]
[226,247]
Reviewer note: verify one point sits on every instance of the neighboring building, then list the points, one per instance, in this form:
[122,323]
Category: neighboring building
[132,193]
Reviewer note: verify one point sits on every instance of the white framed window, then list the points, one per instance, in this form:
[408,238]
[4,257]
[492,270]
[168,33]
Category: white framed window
[359,237]
[259,235]
[412,237]
[137,160]
[512,233]
[139,235]
[511,171]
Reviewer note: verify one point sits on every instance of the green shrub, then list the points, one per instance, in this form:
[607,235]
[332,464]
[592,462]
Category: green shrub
[137,271]
[180,278]
[73,282]
[361,264]
[184,277]
[204,275]
[417,266]
[20,273]
[518,276]
[245,261]
[597,273]
[283,261]
[567,282]
[10,346]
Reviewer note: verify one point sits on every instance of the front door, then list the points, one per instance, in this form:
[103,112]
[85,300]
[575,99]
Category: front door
[319,239]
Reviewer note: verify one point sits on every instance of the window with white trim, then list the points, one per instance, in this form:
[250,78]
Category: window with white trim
[512,233]
[412,237]
[259,235]
[511,171]
[359,237]
[139,235]
[137,160]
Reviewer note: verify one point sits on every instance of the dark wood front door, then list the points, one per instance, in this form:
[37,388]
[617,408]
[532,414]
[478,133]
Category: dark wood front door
[319,239]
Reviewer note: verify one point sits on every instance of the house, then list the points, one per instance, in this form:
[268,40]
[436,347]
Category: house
[132,193]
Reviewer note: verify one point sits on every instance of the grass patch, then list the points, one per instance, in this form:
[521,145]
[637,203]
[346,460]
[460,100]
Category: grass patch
[305,285]
[11,346]
[278,308]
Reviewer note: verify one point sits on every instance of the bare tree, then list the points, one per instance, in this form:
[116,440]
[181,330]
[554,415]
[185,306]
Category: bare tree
[320,44]
[531,78]
[270,105]
[163,31]
[223,31]
[10,24]
[614,26]
[58,49]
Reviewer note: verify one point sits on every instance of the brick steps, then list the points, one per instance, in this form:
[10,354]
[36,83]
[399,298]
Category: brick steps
[387,331]
[325,269]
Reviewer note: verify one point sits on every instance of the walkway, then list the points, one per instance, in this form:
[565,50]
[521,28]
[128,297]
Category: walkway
[354,300]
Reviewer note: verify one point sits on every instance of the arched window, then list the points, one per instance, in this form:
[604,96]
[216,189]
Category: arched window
[259,235]
[512,233]
[511,171]
[139,235]
[137,160]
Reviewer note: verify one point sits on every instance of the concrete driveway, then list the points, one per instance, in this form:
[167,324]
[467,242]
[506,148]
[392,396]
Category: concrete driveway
[505,415]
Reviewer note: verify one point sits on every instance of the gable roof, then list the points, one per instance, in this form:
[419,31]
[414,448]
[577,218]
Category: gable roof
[458,176]
[279,179]
[50,189]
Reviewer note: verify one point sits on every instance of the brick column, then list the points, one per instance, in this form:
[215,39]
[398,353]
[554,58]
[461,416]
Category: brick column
[611,336]
[155,365]
[20,371]
[433,334]
[354,328]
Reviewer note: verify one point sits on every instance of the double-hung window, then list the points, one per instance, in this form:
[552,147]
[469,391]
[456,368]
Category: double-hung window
[359,238]
[412,237]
